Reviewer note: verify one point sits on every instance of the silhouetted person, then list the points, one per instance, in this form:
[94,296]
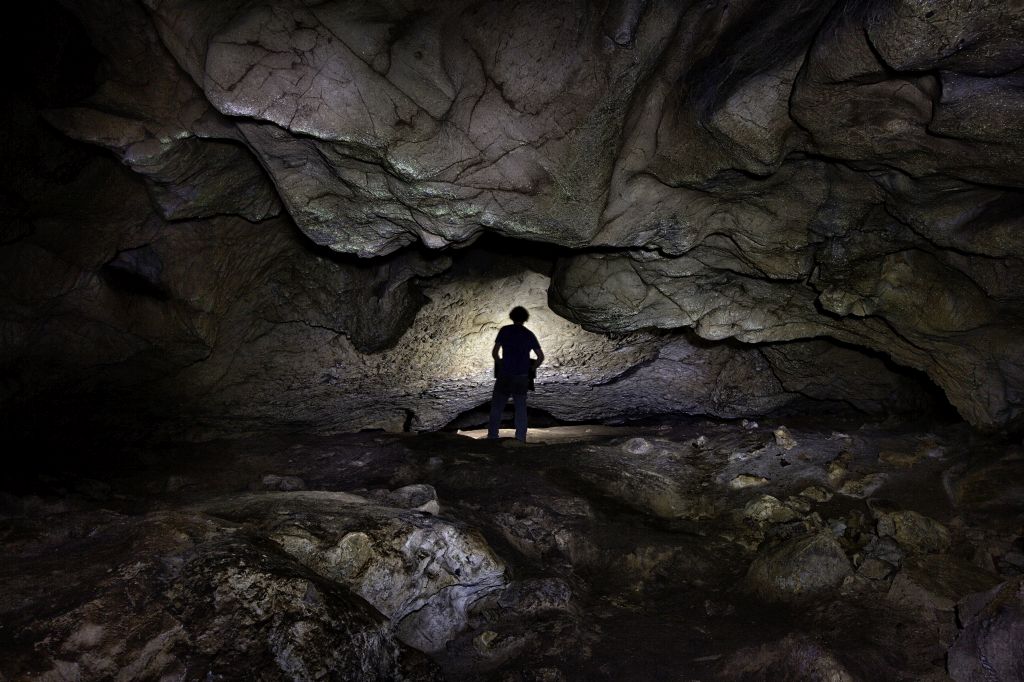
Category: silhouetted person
[512,369]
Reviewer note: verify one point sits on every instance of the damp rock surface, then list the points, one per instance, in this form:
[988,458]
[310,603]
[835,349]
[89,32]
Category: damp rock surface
[547,558]
[236,217]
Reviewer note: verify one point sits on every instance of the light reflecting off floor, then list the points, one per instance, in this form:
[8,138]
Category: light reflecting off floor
[558,434]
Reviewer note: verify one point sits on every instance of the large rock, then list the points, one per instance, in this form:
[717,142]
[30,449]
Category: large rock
[798,569]
[990,647]
[915,532]
[794,657]
[988,485]
[172,594]
[936,582]
[421,572]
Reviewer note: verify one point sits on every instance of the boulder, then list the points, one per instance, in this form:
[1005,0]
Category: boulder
[794,657]
[766,509]
[990,647]
[655,481]
[165,594]
[862,487]
[991,485]
[798,569]
[421,572]
[916,533]
[936,582]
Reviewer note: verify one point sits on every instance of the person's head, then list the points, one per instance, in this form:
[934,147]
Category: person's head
[519,315]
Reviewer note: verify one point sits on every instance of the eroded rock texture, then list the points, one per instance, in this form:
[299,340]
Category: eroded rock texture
[604,553]
[789,174]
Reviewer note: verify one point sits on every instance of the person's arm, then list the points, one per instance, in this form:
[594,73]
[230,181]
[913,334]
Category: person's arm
[494,352]
[540,356]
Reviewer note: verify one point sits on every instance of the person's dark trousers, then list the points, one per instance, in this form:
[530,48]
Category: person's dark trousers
[505,386]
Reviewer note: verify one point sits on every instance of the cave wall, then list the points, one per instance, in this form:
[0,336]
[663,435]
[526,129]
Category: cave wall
[774,185]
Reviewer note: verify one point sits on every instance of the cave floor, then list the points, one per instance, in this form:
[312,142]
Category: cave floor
[594,553]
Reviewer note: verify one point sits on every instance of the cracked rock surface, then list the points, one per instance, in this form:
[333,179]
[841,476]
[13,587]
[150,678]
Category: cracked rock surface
[604,553]
[795,194]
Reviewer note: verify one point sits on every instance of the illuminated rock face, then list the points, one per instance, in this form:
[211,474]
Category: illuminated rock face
[782,175]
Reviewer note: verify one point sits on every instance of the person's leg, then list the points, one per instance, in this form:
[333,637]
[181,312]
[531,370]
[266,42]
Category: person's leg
[518,388]
[520,401]
[498,400]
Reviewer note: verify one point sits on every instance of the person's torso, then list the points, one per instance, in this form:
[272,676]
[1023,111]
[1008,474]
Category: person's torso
[516,344]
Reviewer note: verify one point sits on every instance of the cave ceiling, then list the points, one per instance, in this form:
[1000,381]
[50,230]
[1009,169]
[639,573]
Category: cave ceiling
[796,180]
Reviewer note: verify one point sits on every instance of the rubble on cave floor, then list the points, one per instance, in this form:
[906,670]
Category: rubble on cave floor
[691,550]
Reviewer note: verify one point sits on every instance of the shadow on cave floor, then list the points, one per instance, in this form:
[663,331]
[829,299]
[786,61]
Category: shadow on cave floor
[668,550]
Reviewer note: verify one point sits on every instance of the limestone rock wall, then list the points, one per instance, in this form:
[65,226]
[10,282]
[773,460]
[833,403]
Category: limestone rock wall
[789,173]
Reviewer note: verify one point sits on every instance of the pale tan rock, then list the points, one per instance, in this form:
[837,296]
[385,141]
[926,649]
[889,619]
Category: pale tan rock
[915,532]
[784,439]
[766,509]
[747,481]
[816,493]
[899,458]
[862,487]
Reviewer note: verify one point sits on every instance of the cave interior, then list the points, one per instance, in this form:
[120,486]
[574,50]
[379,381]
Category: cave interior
[255,257]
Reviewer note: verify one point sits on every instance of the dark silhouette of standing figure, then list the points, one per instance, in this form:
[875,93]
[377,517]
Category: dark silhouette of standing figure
[512,369]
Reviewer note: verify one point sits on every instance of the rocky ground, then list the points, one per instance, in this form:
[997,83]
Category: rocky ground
[681,551]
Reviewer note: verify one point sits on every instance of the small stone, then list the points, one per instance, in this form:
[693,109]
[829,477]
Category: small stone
[798,504]
[862,487]
[931,448]
[536,596]
[816,493]
[915,532]
[747,481]
[899,458]
[418,496]
[700,442]
[886,549]
[837,526]
[1013,560]
[855,519]
[749,424]
[484,640]
[767,509]
[784,439]
[875,569]
[879,506]
[637,446]
[836,472]
[283,483]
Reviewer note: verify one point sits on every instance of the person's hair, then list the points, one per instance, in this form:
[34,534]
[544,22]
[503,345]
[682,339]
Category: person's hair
[519,315]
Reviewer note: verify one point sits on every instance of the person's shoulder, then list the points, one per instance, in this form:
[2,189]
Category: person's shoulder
[504,331]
